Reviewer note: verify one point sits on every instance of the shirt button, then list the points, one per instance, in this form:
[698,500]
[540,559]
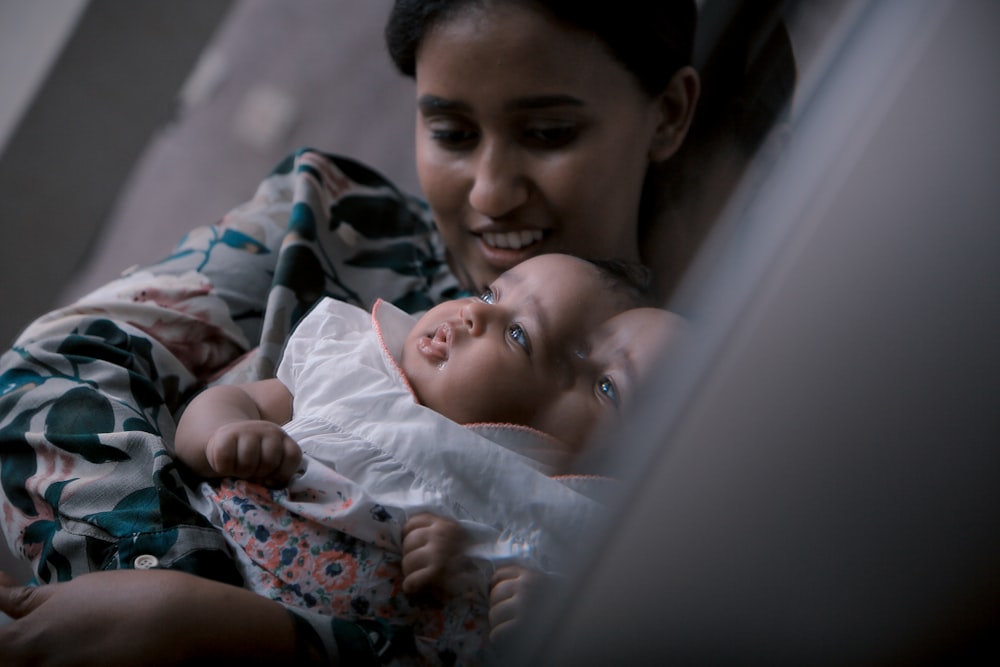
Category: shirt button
[145,562]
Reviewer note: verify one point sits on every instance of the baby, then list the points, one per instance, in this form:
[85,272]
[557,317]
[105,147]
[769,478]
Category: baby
[412,446]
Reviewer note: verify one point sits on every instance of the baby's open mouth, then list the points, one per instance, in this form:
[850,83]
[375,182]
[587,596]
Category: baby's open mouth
[435,345]
[512,240]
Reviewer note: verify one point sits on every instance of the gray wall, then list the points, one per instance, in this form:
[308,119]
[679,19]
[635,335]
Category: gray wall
[112,86]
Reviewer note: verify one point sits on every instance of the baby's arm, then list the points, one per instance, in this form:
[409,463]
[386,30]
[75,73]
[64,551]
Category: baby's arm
[233,430]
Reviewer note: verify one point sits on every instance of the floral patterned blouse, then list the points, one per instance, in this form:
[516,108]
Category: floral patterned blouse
[89,393]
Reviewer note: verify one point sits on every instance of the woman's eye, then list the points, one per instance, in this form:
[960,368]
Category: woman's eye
[519,336]
[606,387]
[551,137]
[452,136]
[487,296]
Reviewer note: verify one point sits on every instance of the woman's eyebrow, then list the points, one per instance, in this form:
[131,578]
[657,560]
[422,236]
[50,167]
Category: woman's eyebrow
[543,102]
[431,103]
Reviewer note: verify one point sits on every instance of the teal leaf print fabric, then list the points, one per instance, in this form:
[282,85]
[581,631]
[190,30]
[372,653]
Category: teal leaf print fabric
[302,273]
[74,422]
[90,392]
[404,258]
[388,218]
[17,466]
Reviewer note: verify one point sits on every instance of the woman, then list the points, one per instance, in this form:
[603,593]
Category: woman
[536,125]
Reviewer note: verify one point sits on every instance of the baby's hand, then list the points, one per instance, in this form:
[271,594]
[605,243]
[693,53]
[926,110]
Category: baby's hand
[432,554]
[508,589]
[255,450]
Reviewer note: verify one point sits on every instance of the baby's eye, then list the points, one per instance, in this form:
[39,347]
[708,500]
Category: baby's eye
[519,336]
[606,387]
[487,296]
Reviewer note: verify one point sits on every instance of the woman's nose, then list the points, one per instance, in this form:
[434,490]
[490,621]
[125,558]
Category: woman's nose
[500,185]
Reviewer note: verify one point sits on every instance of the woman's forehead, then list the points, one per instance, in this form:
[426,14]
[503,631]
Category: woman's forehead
[502,39]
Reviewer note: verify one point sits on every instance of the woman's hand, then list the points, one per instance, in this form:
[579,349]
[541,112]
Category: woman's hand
[510,586]
[141,617]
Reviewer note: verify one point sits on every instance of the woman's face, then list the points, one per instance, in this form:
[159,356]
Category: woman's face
[531,138]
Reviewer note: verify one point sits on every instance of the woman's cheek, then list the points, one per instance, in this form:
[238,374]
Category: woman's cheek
[441,181]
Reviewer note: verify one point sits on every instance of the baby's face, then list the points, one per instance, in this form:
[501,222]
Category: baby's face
[548,346]
[511,355]
[626,347]
[615,360]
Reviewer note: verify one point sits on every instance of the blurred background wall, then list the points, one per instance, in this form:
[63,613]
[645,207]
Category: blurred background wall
[131,123]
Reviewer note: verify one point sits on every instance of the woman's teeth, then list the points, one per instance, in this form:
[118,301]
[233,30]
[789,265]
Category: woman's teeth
[513,240]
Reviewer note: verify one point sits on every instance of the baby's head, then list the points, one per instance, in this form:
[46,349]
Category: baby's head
[541,347]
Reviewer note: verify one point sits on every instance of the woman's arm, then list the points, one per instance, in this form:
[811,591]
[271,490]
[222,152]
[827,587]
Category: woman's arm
[146,617]
[234,430]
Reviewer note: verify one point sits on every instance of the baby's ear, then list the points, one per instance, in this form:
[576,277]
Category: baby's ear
[677,104]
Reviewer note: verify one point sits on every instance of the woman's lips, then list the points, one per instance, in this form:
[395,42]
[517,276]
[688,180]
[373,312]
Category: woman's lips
[512,240]
[502,250]
[435,346]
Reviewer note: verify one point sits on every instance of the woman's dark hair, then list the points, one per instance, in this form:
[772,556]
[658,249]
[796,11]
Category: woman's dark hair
[651,39]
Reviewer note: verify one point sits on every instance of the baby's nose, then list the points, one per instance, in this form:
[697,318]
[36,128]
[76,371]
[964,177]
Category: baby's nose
[474,316]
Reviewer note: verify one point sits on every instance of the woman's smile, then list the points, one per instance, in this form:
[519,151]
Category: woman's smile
[503,250]
[514,240]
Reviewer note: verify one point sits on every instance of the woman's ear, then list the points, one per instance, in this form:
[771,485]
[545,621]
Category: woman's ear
[677,104]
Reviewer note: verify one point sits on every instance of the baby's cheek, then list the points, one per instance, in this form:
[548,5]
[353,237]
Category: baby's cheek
[569,418]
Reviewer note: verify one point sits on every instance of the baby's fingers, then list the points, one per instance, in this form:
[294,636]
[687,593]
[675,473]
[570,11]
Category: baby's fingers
[505,584]
[416,579]
[280,458]
[508,588]
[292,461]
[222,452]
[418,521]
[503,618]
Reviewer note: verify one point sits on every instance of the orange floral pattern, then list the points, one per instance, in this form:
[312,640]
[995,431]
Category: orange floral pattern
[299,562]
